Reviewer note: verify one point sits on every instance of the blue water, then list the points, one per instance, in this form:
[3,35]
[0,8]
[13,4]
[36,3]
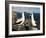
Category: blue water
[27,16]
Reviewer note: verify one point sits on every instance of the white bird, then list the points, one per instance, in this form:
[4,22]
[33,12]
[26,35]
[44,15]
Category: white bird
[21,19]
[33,21]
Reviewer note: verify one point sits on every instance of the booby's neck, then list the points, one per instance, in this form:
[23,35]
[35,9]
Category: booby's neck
[22,14]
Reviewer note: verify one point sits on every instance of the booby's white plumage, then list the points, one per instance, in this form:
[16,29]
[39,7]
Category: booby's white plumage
[33,21]
[21,19]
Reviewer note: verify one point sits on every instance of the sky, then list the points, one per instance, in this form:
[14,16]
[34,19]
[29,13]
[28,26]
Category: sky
[26,9]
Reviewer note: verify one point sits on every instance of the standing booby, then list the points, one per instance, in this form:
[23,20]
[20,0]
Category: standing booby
[21,20]
[33,21]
